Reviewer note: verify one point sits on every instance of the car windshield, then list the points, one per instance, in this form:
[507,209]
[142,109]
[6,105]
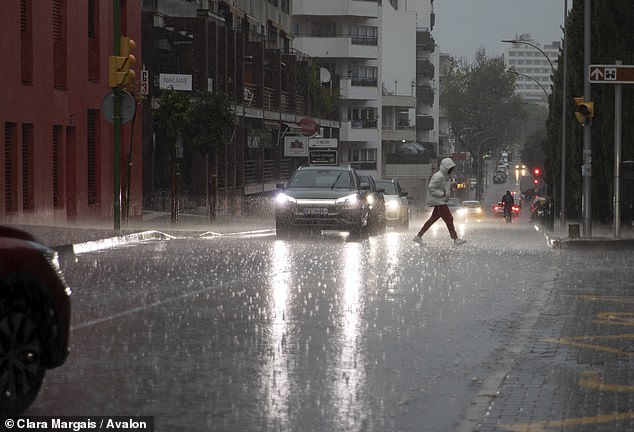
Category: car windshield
[390,188]
[332,179]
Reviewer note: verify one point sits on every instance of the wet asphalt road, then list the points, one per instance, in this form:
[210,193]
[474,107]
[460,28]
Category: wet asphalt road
[250,333]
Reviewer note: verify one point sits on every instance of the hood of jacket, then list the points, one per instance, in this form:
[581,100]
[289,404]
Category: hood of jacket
[445,165]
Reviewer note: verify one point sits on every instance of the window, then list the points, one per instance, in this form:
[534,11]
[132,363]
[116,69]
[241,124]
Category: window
[57,167]
[26,41]
[27,167]
[59,44]
[10,162]
[93,40]
[93,160]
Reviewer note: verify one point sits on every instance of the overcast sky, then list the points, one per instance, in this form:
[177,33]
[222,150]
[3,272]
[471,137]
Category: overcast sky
[463,26]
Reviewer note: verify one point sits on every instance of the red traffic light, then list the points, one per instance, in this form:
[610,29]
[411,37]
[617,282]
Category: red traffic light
[536,181]
[537,171]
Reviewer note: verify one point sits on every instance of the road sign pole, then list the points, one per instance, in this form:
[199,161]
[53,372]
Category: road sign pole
[116,36]
[617,157]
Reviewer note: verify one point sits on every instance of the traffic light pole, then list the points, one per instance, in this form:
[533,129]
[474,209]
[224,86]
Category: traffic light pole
[117,97]
[586,169]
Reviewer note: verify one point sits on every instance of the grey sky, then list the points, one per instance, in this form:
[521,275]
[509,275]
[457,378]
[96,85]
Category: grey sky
[463,26]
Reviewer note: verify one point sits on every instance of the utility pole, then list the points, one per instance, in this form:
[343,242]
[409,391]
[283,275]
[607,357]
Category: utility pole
[586,169]
[562,195]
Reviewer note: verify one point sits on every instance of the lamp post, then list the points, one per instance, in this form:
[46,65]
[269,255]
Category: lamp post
[530,77]
[562,198]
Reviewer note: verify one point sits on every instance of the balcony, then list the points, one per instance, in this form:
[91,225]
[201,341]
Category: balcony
[359,88]
[399,133]
[342,46]
[351,8]
[425,94]
[425,68]
[425,41]
[424,122]
[359,130]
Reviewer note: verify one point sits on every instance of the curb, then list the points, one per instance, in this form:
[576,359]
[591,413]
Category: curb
[107,243]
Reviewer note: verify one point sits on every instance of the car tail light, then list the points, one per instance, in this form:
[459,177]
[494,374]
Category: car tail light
[515,209]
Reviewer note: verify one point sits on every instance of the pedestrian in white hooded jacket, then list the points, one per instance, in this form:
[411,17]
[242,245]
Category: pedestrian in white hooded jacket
[438,192]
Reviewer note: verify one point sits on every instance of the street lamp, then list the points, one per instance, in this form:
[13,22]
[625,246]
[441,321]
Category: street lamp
[528,76]
[562,198]
[513,41]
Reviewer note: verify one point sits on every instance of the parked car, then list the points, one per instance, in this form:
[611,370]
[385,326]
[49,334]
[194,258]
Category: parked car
[320,198]
[472,210]
[499,178]
[34,318]
[396,203]
[376,203]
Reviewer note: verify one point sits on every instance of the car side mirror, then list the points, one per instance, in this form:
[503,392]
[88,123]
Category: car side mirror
[280,185]
[402,194]
[380,190]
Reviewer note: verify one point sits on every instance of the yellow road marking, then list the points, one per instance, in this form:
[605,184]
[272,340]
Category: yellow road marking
[578,342]
[591,297]
[543,426]
[590,379]
[615,318]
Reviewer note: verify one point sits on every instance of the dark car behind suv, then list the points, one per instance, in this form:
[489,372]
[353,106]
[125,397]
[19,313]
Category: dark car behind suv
[322,198]
[34,318]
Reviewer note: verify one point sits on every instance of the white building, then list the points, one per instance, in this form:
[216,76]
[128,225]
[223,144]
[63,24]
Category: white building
[345,35]
[534,65]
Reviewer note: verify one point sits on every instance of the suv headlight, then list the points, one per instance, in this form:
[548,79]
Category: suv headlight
[349,201]
[282,200]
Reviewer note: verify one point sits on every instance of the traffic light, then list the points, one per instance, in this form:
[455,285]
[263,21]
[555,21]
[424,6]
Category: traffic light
[119,72]
[584,112]
[536,174]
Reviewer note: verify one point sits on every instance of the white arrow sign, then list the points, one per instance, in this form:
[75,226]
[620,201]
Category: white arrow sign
[596,74]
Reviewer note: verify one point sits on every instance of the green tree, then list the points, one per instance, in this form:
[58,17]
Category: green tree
[612,39]
[479,98]
[171,115]
[210,121]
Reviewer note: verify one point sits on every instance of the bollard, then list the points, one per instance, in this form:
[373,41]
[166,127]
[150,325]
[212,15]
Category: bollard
[573,231]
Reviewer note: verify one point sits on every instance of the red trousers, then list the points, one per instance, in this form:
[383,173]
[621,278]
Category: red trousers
[440,211]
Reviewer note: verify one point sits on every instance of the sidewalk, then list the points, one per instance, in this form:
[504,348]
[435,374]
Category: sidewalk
[572,365]
[602,237]
[154,225]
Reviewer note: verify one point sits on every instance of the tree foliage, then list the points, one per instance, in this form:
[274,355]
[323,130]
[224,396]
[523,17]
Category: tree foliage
[612,39]
[203,119]
[479,98]
[210,122]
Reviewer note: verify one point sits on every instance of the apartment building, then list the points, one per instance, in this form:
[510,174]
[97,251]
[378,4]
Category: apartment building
[534,64]
[344,36]
[242,48]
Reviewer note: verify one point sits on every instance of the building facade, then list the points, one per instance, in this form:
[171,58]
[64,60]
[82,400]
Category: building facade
[56,158]
[534,68]
[344,35]
[242,48]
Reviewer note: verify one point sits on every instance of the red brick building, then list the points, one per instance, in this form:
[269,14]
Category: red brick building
[56,154]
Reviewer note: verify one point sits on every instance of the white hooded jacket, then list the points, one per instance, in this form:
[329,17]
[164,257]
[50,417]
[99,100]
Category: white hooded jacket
[439,187]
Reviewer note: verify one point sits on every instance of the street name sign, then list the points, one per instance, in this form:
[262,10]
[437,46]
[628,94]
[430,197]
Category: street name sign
[611,74]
